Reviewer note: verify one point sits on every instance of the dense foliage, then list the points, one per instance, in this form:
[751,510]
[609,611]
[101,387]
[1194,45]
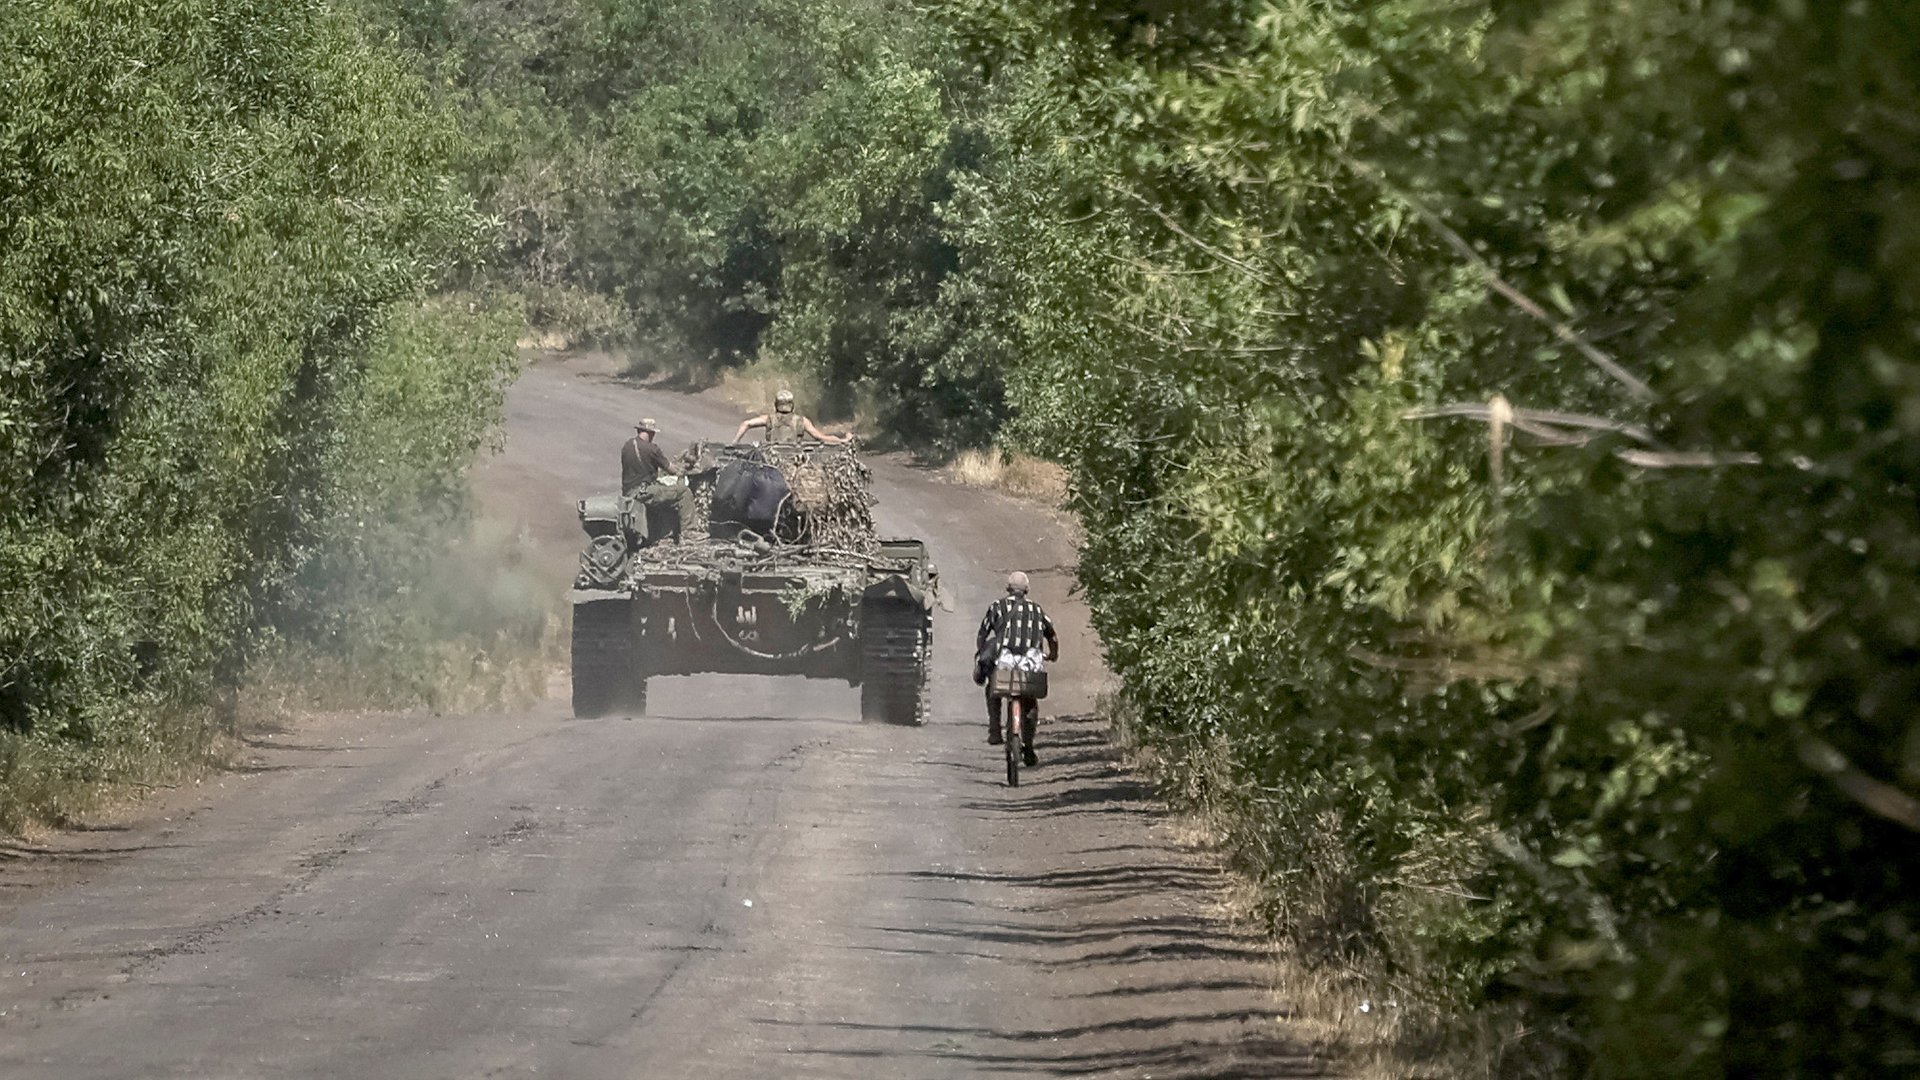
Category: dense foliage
[1494,421]
[1613,713]
[1489,422]
[719,183]
[216,220]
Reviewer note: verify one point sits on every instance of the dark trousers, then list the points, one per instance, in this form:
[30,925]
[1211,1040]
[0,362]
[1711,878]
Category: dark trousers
[1029,716]
[669,499]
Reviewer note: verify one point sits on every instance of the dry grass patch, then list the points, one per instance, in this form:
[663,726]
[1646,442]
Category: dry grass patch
[1021,475]
[753,386]
[482,632]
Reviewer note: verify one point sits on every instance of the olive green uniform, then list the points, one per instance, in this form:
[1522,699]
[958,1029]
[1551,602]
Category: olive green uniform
[647,480]
[784,429]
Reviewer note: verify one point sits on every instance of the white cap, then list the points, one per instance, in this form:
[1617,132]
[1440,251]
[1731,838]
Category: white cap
[1017,582]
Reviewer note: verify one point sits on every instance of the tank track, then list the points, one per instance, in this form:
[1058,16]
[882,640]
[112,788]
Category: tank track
[893,663]
[603,660]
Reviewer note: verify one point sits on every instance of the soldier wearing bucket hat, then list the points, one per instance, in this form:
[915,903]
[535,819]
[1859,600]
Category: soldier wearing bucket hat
[648,482]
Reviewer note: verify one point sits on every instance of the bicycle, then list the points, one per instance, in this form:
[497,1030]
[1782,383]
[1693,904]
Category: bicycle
[1013,687]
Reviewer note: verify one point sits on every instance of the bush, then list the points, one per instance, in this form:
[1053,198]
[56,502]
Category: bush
[714,184]
[209,217]
[1597,715]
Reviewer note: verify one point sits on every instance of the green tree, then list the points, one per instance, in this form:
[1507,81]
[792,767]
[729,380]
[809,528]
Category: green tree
[208,212]
[1626,687]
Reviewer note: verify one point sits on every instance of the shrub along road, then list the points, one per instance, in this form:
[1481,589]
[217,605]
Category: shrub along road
[746,883]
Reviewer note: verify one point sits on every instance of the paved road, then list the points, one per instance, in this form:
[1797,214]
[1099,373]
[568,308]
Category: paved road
[747,883]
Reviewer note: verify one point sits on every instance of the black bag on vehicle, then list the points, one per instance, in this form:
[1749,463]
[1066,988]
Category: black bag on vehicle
[748,494]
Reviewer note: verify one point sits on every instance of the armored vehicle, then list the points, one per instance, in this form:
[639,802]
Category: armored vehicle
[776,570]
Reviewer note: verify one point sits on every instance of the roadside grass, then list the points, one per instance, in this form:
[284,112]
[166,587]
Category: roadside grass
[483,631]
[680,373]
[52,781]
[1021,475]
[563,317]
[752,388]
[471,673]
[1375,1022]
[480,630]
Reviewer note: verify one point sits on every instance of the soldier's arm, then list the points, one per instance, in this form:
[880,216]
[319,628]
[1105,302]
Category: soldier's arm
[824,437]
[749,424]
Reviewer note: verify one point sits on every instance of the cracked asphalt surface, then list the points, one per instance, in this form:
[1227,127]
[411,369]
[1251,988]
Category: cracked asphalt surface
[746,883]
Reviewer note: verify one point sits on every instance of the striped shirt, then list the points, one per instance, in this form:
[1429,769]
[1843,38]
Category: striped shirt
[1016,623]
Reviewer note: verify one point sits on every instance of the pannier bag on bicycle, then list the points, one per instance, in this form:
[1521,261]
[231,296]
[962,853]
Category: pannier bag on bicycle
[1013,682]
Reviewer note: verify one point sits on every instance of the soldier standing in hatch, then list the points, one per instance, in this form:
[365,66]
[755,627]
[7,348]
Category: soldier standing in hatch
[785,426]
[648,479]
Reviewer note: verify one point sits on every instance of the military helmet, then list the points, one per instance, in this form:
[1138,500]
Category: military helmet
[783,401]
[1017,583]
[647,423]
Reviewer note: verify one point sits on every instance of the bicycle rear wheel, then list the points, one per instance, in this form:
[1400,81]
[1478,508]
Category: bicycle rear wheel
[1014,726]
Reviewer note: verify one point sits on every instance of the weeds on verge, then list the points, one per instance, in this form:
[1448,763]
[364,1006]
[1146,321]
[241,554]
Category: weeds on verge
[752,387]
[481,632]
[1379,1023]
[59,781]
[478,631]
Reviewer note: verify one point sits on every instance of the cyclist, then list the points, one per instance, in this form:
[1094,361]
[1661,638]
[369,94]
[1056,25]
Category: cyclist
[1015,632]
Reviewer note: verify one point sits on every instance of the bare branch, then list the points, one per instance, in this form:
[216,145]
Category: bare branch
[1448,669]
[1184,347]
[1440,889]
[1542,417]
[1146,267]
[1541,424]
[1685,459]
[1881,798]
[1244,267]
[1561,330]
[1551,437]
[1499,415]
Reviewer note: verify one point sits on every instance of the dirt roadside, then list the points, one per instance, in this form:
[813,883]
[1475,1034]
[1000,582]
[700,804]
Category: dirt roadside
[746,883]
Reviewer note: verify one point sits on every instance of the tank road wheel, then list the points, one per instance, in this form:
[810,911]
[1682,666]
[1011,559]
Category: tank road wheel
[893,663]
[603,660]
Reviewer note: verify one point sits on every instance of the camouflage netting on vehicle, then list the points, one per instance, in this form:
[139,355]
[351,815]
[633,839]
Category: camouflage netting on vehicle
[830,501]
[827,504]
[699,512]
[811,491]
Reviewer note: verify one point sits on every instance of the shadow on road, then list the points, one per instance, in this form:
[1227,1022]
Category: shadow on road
[11,850]
[1233,1054]
[1168,990]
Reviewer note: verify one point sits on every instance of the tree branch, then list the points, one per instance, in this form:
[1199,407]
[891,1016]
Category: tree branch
[1544,417]
[1560,328]
[1244,267]
[1881,798]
